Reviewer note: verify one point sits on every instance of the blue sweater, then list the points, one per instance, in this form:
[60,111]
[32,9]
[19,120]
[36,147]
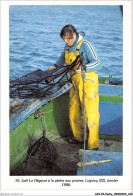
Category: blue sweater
[90,57]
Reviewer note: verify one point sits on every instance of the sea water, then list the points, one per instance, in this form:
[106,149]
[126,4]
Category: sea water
[35,43]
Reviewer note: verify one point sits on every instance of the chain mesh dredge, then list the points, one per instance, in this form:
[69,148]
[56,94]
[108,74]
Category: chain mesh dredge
[39,84]
[33,85]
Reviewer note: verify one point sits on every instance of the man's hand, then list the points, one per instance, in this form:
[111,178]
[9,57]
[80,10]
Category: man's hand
[51,68]
[78,70]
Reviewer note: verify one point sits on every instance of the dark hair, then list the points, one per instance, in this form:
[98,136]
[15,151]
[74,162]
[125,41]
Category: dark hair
[68,29]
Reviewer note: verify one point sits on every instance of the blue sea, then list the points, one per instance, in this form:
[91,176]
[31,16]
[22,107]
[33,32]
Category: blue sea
[35,43]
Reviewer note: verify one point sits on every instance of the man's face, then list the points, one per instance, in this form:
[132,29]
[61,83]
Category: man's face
[69,40]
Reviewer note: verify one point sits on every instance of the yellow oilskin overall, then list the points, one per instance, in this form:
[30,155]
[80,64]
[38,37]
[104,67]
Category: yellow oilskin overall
[76,115]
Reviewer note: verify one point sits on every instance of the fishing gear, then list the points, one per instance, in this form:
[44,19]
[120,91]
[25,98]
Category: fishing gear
[43,84]
[63,72]
[48,150]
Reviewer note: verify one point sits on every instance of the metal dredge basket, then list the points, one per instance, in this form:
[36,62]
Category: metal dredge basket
[33,85]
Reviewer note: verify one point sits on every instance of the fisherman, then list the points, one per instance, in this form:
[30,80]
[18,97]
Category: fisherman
[75,45]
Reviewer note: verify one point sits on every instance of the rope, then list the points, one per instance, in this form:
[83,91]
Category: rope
[84,112]
[83,78]
[83,75]
[70,67]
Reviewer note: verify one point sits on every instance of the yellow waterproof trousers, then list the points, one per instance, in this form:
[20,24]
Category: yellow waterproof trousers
[76,115]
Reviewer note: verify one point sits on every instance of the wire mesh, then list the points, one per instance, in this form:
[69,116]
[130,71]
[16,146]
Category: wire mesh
[38,84]
[33,85]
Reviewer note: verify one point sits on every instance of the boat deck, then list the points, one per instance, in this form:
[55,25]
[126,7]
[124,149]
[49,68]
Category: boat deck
[66,161]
